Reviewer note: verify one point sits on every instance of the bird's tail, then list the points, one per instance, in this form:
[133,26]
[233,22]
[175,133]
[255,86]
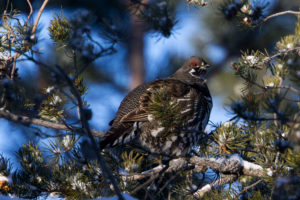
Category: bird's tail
[118,135]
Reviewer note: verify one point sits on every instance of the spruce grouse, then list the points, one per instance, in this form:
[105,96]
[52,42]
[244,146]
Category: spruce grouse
[166,116]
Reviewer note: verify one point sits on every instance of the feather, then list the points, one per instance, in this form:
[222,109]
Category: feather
[135,115]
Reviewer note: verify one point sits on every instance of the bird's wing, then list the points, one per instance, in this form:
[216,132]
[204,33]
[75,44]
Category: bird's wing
[134,110]
[136,115]
[171,88]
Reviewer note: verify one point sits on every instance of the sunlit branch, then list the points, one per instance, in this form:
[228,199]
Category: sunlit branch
[281,53]
[233,164]
[38,18]
[224,179]
[281,13]
[18,54]
[31,11]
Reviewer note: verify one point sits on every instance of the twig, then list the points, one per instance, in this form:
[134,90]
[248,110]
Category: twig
[31,11]
[224,179]
[25,120]
[276,160]
[75,61]
[281,53]
[177,164]
[280,13]
[18,54]
[131,177]
[38,18]
[252,82]
[168,181]
[284,87]
[138,188]
[12,73]
[150,180]
[248,187]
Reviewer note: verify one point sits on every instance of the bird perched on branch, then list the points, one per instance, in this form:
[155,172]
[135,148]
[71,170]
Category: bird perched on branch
[166,116]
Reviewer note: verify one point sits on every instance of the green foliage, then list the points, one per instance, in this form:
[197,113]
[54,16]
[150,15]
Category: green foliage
[71,178]
[288,42]
[292,157]
[58,147]
[30,157]
[290,62]
[232,139]
[131,161]
[253,59]
[270,112]
[11,25]
[60,29]
[164,109]
[256,195]
[51,108]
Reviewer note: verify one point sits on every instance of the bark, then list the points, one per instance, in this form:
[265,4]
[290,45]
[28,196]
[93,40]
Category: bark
[136,50]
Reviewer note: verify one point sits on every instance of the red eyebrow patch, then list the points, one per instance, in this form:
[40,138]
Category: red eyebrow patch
[194,63]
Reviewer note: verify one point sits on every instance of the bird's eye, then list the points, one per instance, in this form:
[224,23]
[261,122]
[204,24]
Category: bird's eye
[194,64]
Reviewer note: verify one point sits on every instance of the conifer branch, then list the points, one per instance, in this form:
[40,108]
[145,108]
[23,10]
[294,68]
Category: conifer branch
[86,128]
[233,164]
[230,167]
[26,120]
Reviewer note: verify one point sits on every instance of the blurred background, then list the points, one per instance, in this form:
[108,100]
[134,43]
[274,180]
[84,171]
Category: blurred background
[146,49]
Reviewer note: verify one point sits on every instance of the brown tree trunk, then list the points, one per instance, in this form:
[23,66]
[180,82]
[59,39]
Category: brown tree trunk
[136,51]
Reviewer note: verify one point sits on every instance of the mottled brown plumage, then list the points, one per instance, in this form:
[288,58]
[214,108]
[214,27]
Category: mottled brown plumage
[184,102]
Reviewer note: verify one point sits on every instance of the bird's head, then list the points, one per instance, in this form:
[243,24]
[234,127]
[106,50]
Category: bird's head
[194,68]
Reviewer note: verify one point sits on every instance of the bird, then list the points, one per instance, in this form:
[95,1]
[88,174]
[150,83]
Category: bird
[166,116]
